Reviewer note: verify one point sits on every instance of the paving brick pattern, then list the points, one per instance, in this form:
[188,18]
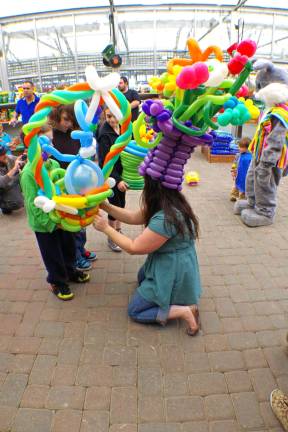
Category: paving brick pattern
[83,366]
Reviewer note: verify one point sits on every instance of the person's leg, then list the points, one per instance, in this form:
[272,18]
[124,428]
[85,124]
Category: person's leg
[250,184]
[248,203]
[116,200]
[234,194]
[50,246]
[121,204]
[80,240]
[69,254]
[267,179]
[143,311]
[141,275]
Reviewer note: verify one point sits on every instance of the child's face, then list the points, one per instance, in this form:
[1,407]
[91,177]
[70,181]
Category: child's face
[243,149]
[111,119]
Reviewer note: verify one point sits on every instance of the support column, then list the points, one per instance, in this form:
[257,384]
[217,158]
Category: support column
[75,49]
[38,54]
[273,37]
[3,63]
[155,41]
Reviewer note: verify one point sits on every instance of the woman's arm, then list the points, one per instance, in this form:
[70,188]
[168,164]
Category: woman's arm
[147,242]
[123,215]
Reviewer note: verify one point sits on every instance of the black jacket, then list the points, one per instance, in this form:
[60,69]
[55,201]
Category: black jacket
[106,137]
[63,142]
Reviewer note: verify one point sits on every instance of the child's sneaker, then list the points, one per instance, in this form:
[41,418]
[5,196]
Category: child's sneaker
[79,277]
[234,195]
[90,256]
[113,246]
[83,265]
[63,293]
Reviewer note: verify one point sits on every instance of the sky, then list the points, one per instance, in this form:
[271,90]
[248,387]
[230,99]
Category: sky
[20,7]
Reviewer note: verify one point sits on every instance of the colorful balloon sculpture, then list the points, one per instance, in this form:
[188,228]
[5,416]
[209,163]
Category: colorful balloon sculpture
[72,196]
[197,88]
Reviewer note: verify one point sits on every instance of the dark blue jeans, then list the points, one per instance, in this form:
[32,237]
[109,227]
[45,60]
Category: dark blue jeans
[80,241]
[144,311]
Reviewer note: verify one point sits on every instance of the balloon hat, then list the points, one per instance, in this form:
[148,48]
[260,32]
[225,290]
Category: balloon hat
[72,196]
[195,90]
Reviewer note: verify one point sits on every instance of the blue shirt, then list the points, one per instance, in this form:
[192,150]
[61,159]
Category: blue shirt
[5,141]
[26,109]
[242,168]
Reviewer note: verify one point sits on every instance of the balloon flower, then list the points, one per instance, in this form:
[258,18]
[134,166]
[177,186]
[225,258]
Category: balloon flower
[72,196]
[198,88]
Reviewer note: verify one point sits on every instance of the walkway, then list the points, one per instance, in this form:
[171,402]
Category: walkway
[82,366]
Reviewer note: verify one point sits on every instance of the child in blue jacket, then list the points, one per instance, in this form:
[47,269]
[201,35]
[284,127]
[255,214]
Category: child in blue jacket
[239,169]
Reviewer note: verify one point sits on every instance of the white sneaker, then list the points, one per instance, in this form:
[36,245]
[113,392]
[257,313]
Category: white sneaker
[113,246]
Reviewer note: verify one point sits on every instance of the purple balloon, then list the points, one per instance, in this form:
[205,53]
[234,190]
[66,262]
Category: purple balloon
[162,155]
[156,127]
[171,185]
[174,173]
[175,166]
[156,108]
[169,142]
[181,155]
[153,173]
[177,160]
[164,115]
[184,148]
[159,161]
[142,170]
[165,149]
[173,180]
[166,127]
[157,167]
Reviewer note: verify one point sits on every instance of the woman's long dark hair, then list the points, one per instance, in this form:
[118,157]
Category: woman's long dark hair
[156,197]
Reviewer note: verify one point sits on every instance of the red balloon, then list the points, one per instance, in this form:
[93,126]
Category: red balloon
[232,48]
[247,47]
[237,63]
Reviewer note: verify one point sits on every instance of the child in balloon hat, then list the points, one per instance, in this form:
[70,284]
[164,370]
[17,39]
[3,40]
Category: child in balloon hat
[57,247]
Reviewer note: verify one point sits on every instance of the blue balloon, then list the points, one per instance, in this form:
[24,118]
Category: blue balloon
[81,176]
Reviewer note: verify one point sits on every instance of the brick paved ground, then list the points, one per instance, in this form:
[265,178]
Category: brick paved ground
[83,366]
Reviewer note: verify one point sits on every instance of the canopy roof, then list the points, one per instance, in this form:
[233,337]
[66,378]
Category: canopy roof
[20,7]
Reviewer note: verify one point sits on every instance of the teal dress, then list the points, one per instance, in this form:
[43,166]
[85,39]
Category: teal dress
[171,274]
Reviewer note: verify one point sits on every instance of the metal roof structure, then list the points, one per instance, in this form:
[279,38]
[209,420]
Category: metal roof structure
[53,43]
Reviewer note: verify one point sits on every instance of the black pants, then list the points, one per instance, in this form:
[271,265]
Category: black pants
[58,254]
[118,199]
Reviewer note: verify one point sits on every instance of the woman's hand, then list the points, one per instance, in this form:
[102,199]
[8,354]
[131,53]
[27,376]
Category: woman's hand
[100,223]
[122,186]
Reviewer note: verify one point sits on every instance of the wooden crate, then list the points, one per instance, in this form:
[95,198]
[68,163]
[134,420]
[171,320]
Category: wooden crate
[216,158]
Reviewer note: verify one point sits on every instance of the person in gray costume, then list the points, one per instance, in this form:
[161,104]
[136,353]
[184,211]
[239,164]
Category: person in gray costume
[269,148]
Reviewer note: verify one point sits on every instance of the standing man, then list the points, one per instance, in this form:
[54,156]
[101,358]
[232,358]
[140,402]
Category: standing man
[26,105]
[131,95]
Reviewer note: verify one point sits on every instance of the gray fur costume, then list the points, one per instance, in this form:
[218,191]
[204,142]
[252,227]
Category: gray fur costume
[264,173]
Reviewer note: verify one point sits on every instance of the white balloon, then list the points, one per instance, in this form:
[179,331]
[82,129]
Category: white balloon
[111,182]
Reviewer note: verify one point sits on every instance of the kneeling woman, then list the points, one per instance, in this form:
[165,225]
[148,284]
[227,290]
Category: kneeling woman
[169,281]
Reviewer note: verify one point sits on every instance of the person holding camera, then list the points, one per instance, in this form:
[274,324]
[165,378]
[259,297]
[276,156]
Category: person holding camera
[10,193]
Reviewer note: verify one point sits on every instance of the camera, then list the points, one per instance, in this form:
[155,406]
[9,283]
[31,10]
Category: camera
[23,157]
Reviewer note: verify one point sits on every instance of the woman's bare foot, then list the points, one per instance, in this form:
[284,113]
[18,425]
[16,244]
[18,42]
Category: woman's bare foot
[191,316]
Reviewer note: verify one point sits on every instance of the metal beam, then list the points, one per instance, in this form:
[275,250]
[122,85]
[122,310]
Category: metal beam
[224,19]
[123,32]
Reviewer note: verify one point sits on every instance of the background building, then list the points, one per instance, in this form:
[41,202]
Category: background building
[54,47]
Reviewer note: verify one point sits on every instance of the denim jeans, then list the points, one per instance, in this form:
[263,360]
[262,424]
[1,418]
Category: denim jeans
[80,240]
[143,311]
